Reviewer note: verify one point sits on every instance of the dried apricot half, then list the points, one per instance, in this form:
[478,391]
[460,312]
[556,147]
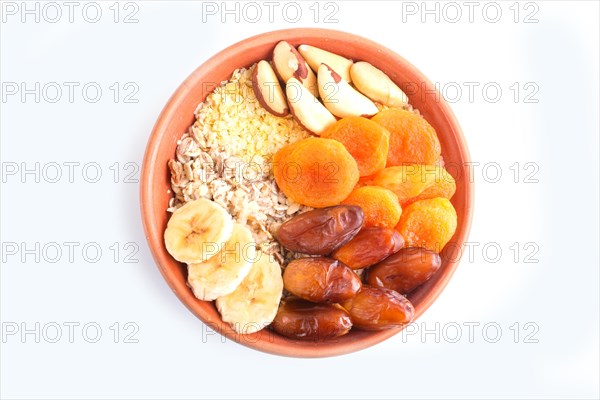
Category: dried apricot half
[316,172]
[412,139]
[367,141]
[428,223]
[379,204]
[415,182]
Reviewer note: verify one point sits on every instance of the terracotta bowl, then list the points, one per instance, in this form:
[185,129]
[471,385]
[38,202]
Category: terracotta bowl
[178,115]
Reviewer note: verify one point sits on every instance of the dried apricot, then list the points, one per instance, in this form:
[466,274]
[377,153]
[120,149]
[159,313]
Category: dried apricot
[379,204]
[367,141]
[316,172]
[428,223]
[412,139]
[365,181]
[416,182]
[369,246]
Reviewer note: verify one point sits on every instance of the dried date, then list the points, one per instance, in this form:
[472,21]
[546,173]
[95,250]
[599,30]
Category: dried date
[319,232]
[300,319]
[320,279]
[405,270]
[369,246]
[379,308]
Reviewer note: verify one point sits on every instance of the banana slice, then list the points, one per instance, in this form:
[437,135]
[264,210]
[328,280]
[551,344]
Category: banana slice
[197,231]
[253,305]
[222,273]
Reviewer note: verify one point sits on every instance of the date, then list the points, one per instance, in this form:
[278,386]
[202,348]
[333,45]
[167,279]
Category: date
[369,246]
[405,270]
[301,319]
[320,279]
[320,232]
[379,308]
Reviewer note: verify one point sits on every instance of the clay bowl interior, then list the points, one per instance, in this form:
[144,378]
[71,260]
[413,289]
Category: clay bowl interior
[178,115]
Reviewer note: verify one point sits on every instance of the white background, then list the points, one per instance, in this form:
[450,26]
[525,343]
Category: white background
[556,355]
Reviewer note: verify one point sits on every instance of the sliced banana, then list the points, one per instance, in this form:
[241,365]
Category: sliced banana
[253,305]
[222,273]
[197,231]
